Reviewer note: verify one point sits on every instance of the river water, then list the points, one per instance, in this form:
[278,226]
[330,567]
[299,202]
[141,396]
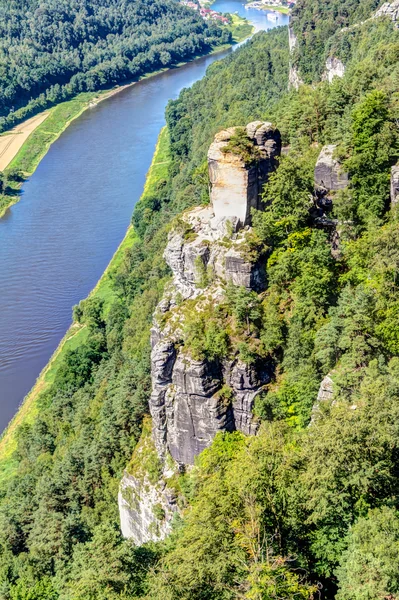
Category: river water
[57,241]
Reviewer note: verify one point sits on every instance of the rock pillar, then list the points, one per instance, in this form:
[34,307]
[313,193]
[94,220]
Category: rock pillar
[237,184]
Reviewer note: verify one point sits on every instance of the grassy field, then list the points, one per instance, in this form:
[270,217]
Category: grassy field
[240,28]
[77,334]
[282,9]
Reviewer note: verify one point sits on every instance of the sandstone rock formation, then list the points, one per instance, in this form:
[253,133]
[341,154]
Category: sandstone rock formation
[146,510]
[194,397]
[325,394]
[294,79]
[146,499]
[328,171]
[334,68]
[389,9]
[236,185]
[187,403]
[395,185]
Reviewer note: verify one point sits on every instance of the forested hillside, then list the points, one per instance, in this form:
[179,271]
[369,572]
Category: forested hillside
[51,50]
[315,21]
[304,509]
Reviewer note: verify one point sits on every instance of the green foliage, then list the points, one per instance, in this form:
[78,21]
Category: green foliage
[315,21]
[205,334]
[42,590]
[241,145]
[369,567]
[374,142]
[229,545]
[98,46]
[273,515]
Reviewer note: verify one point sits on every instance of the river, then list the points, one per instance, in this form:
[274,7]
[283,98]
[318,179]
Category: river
[57,241]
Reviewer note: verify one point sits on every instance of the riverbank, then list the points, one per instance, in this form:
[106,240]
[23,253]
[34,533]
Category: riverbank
[270,7]
[55,120]
[77,333]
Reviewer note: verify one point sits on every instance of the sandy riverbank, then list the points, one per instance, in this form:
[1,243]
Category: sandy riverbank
[12,141]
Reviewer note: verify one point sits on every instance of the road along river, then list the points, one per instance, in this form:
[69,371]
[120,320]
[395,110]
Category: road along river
[57,241]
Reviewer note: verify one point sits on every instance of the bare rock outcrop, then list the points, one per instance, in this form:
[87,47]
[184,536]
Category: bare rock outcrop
[328,171]
[236,183]
[203,247]
[294,80]
[325,394]
[334,68]
[146,510]
[395,185]
[195,395]
[389,9]
[147,500]
[191,399]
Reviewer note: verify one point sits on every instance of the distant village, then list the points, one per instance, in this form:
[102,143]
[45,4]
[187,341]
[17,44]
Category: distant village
[206,13]
[209,14]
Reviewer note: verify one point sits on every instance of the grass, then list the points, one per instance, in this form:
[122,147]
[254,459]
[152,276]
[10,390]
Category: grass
[40,140]
[61,115]
[281,9]
[240,28]
[77,334]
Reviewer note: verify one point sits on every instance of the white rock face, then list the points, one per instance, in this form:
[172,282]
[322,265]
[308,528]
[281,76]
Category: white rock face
[145,510]
[325,394]
[292,39]
[389,9]
[294,81]
[334,68]
[395,184]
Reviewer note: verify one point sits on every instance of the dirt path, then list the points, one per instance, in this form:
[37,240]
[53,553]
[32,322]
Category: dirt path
[13,140]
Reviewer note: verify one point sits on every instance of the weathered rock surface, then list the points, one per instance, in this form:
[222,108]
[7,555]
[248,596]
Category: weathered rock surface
[395,184]
[328,171]
[210,247]
[192,400]
[389,9]
[294,80]
[146,510]
[334,68]
[236,185]
[325,394]
[195,408]
[187,403]
[292,39]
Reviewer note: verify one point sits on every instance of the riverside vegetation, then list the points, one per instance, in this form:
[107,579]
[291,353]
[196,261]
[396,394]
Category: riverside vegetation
[297,511]
[152,54]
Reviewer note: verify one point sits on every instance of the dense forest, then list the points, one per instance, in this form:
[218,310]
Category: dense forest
[52,50]
[315,22]
[307,508]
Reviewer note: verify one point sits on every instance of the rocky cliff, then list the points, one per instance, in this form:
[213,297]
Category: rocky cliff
[195,394]
[187,404]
